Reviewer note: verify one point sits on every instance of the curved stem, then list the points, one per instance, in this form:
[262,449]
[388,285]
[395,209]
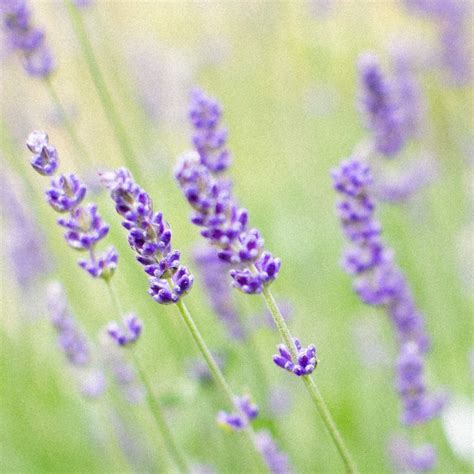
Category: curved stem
[102,90]
[153,403]
[309,383]
[211,363]
[67,123]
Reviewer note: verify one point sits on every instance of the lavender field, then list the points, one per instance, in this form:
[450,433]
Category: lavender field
[236,236]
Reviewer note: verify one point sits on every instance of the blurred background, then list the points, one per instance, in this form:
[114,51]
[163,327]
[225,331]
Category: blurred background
[286,76]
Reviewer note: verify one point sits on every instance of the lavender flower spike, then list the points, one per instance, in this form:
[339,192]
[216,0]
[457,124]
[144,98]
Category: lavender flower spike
[379,107]
[276,461]
[408,458]
[306,359]
[150,237]
[24,37]
[128,332]
[85,227]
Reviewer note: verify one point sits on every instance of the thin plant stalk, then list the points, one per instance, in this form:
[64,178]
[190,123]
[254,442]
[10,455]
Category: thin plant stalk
[309,383]
[153,403]
[211,362]
[103,92]
[67,123]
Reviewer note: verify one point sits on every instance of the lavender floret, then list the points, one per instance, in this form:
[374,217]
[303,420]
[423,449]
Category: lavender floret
[66,193]
[305,363]
[246,412]
[150,237]
[45,161]
[380,108]
[126,333]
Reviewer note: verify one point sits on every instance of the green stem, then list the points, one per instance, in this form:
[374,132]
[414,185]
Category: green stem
[211,363]
[161,423]
[80,150]
[309,383]
[100,84]
[152,401]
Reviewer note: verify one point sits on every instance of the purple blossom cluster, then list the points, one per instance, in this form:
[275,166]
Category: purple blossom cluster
[379,106]
[277,462]
[150,237]
[419,406]
[84,225]
[246,411]
[73,342]
[209,138]
[378,279]
[305,362]
[214,274]
[24,37]
[225,225]
[126,333]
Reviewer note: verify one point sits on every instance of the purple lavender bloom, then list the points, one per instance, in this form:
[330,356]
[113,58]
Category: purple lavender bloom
[419,407]
[225,225]
[411,458]
[246,412]
[209,137]
[71,340]
[25,38]
[214,273]
[305,363]
[379,107]
[45,161]
[379,281]
[128,332]
[66,193]
[85,227]
[150,237]
[277,462]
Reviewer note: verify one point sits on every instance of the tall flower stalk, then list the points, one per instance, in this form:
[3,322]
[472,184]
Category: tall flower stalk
[105,96]
[225,225]
[150,237]
[380,282]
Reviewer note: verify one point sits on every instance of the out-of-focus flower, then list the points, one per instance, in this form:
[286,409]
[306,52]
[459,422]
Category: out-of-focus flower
[24,37]
[379,107]
[306,359]
[126,333]
[405,457]
[236,421]
[215,276]
[277,462]
[150,237]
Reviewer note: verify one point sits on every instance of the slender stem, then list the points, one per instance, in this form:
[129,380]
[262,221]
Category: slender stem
[103,92]
[152,401]
[67,123]
[211,363]
[163,427]
[310,384]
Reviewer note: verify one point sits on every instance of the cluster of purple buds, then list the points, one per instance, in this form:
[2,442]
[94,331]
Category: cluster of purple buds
[408,458]
[379,107]
[150,237]
[209,138]
[24,37]
[214,273]
[126,333]
[84,226]
[239,420]
[378,280]
[419,406]
[305,362]
[277,462]
[225,225]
